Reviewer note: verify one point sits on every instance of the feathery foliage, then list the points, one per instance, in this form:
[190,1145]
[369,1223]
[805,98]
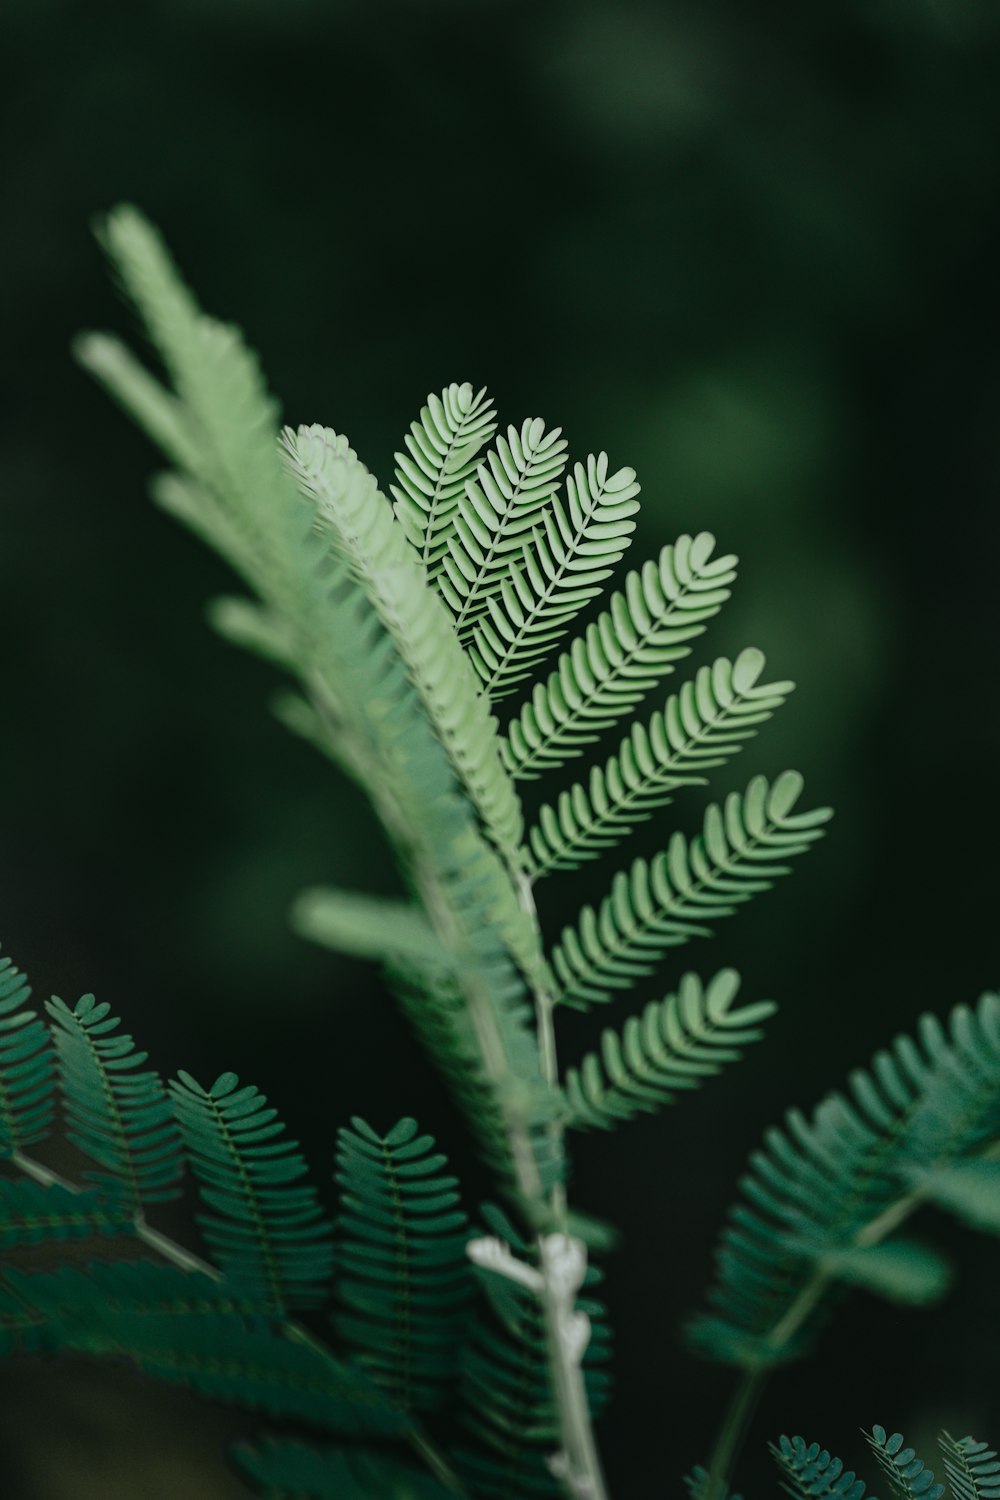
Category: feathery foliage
[672,1046]
[405,1282]
[908,1476]
[825,1192]
[440,458]
[698,729]
[495,514]
[266,1229]
[399,621]
[572,550]
[27,1066]
[187,1336]
[972,1469]
[361,521]
[117,1115]
[661,903]
[807,1470]
[631,646]
[33,1214]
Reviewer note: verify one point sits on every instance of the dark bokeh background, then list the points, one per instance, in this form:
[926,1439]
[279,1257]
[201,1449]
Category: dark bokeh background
[750,250]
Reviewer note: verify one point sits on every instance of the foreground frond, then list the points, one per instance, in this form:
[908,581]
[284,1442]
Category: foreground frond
[34,1214]
[440,457]
[190,1330]
[267,1232]
[809,1471]
[824,1193]
[58,1309]
[506,1387]
[972,1469]
[698,729]
[280,1469]
[631,646]
[27,1066]
[405,1282]
[661,903]
[495,515]
[561,566]
[908,1476]
[674,1045]
[117,1114]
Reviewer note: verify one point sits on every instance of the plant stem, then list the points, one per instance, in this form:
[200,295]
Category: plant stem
[732,1433]
[584,1476]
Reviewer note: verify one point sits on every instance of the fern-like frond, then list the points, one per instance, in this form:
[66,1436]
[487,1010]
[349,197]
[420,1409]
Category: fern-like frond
[188,1329]
[661,903]
[348,501]
[32,1213]
[145,1287]
[440,457]
[58,1309]
[908,1476]
[506,1388]
[674,1045]
[809,1472]
[631,646]
[560,567]
[973,1469]
[699,728]
[27,1066]
[267,1232]
[117,1113]
[825,1191]
[281,1470]
[405,1282]
[495,514]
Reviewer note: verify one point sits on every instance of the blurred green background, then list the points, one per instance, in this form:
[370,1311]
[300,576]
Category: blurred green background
[749,250]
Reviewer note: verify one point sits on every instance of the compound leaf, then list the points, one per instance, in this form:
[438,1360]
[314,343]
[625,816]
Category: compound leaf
[659,904]
[118,1113]
[266,1229]
[405,1281]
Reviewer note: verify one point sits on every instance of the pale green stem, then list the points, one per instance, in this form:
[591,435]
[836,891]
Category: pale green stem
[585,1478]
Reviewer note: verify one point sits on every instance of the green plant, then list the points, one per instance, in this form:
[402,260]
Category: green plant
[403,623]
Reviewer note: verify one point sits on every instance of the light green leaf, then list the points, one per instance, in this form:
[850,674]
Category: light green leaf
[368,927]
